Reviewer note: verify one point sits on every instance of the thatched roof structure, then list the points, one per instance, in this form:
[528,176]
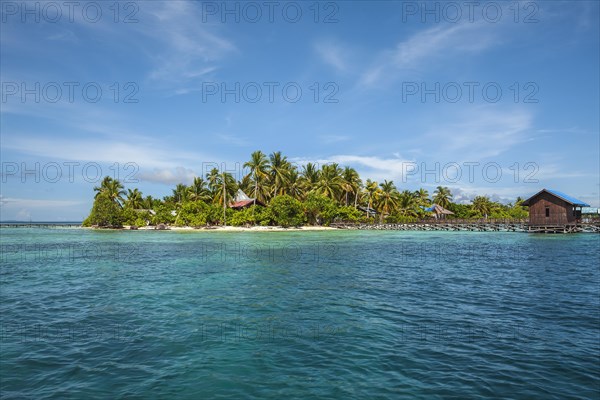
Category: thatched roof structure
[438,211]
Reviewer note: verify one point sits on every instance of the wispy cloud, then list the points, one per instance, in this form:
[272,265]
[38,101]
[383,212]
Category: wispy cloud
[149,155]
[429,47]
[330,139]
[480,132]
[233,139]
[184,50]
[464,193]
[333,54]
[373,167]
[170,176]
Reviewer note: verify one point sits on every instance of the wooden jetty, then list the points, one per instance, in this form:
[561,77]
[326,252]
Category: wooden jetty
[491,225]
[47,225]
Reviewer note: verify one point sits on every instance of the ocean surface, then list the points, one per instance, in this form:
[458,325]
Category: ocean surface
[281,315]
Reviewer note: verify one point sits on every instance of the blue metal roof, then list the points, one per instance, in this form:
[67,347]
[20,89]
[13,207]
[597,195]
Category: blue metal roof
[568,198]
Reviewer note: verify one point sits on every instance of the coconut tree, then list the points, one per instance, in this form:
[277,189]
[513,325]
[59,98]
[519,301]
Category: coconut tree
[148,202]
[134,199]
[294,185]
[278,172]
[246,185]
[387,198]
[309,177]
[357,194]
[482,205]
[212,178]
[408,203]
[330,181]
[225,188]
[259,170]
[350,183]
[422,197]
[198,191]
[519,201]
[370,190]
[442,196]
[112,188]
[180,193]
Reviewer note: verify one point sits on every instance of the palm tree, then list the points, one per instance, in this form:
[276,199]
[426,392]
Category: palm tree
[112,188]
[259,167]
[357,194]
[246,184]
[483,205]
[212,178]
[198,190]
[350,183]
[309,177]
[330,182]
[134,199]
[148,202]
[519,201]
[443,196]
[294,185]
[225,188]
[371,188]
[409,202]
[180,193]
[422,197]
[278,172]
[388,198]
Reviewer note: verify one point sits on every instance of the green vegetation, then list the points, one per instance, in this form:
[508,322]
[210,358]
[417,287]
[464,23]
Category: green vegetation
[310,195]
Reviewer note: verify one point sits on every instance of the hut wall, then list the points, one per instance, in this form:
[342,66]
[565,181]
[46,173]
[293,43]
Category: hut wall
[561,212]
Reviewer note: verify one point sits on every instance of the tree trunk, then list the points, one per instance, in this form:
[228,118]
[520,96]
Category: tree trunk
[224,202]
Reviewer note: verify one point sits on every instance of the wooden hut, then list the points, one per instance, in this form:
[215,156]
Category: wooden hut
[551,208]
[438,211]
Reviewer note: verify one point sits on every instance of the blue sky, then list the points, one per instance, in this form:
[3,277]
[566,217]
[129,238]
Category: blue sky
[398,93]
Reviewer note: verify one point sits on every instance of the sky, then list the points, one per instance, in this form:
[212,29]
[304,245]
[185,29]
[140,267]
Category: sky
[491,98]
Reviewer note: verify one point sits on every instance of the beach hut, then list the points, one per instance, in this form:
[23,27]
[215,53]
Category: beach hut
[553,208]
[242,200]
[438,211]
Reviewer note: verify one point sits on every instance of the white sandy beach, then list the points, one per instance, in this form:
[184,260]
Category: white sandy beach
[238,228]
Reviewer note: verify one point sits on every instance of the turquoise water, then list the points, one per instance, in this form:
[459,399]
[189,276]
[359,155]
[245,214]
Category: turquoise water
[341,314]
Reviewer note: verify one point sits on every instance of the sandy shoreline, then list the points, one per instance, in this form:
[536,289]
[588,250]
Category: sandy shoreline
[230,229]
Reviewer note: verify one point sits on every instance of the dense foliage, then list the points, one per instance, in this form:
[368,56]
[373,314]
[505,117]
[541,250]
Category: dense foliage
[294,196]
[105,213]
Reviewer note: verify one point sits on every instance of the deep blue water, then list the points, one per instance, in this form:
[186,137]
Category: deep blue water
[341,314]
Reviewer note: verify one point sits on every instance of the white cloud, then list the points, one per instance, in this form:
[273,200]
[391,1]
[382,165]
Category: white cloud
[96,150]
[169,176]
[464,194]
[427,46]
[333,54]
[233,139]
[480,132]
[371,167]
[330,139]
[183,49]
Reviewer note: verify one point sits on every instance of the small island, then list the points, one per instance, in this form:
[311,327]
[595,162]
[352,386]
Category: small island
[277,194]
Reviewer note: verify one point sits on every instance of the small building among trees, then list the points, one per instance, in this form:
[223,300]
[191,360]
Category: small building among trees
[552,208]
[438,211]
[242,200]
